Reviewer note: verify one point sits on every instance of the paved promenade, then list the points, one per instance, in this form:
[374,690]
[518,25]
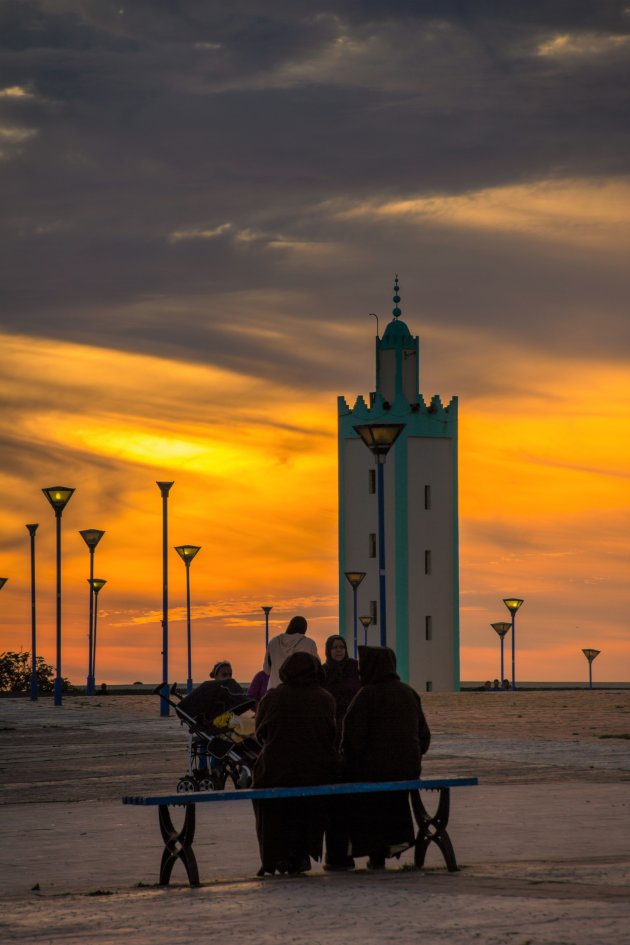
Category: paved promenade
[543,842]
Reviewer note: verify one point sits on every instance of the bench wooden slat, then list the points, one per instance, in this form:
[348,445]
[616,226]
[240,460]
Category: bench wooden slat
[316,790]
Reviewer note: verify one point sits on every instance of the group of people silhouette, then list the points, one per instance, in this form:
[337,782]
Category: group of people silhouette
[342,720]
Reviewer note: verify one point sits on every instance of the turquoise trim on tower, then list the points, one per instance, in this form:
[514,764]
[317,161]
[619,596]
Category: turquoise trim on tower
[401,544]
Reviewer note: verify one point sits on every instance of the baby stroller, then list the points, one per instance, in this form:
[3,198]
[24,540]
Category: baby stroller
[220,738]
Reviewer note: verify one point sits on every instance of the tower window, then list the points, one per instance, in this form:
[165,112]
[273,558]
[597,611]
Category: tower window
[373,612]
[427,497]
[429,685]
[371,481]
[372,545]
[427,562]
[428,628]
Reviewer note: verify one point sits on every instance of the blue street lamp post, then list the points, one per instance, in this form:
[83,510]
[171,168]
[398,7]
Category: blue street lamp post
[590,655]
[187,553]
[58,496]
[34,684]
[513,604]
[267,611]
[91,537]
[366,620]
[501,628]
[354,579]
[164,488]
[379,438]
[95,586]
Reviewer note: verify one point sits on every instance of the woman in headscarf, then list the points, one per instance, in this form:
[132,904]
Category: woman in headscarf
[343,683]
[384,737]
[295,725]
[341,677]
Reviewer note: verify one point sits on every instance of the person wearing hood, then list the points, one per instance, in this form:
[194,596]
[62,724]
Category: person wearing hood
[384,737]
[341,677]
[293,640]
[295,726]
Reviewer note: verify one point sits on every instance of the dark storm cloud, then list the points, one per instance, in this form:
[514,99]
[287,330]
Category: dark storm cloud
[176,151]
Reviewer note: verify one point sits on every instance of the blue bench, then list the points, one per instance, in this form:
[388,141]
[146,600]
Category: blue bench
[178,844]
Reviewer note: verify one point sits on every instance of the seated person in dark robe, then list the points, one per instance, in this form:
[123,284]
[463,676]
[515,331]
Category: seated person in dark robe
[214,697]
[295,725]
[384,737]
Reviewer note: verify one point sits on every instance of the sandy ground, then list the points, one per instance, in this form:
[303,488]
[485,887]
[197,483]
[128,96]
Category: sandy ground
[543,842]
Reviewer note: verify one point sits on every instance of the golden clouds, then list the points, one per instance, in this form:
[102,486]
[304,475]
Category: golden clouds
[566,45]
[588,213]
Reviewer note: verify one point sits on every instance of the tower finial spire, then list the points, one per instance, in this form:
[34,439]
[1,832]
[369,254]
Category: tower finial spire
[396,312]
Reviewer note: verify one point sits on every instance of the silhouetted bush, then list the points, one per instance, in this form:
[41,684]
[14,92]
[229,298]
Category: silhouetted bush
[15,673]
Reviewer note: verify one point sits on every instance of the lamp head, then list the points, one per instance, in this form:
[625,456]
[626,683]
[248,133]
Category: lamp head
[501,628]
[354,577]
[97,584]
[590,654]
[32,529]
[379,437]
[268,609]
[91,537]
[366,620]
[187,552]
[165,488]
[58,496]
[3,581]
[512,603]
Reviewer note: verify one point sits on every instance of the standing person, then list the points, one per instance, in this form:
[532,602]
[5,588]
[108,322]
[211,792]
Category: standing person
[295,725]
[293,640]
[341,674]
[342,682]
[384,737]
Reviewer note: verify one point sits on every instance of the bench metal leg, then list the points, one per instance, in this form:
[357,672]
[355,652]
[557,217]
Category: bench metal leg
[432,829]
[178,845]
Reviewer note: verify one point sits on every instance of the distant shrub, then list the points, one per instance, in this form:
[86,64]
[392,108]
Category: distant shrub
[15,673]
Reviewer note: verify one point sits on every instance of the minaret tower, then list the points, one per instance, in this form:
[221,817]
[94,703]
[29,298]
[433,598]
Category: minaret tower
[420,516]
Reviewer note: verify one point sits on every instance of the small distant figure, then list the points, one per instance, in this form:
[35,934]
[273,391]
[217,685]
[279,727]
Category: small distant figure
[103,687]
[506,684]
[496,684]
[293,640]
[258,686]
[487,685]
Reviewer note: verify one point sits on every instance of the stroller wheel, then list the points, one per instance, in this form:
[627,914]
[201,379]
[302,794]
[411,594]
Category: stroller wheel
[244,779]
[206,782]
[186,784]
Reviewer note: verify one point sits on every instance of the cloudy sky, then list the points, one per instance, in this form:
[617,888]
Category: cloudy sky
[203,202]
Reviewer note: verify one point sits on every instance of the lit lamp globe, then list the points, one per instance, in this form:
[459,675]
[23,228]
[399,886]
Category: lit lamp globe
[366,620]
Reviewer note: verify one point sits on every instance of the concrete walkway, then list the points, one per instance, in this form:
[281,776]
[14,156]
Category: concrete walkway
[543,861]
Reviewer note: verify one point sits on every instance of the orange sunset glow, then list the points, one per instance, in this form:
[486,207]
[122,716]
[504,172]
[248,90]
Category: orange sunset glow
[255,486]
